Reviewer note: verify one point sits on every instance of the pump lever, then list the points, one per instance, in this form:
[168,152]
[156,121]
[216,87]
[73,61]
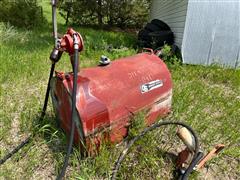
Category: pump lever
[54,21]
[210,155]
[185,155]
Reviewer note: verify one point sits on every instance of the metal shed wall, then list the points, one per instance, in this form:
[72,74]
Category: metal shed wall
[172,12]
[212,33]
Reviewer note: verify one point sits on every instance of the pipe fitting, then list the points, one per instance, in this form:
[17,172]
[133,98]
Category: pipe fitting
[67,41]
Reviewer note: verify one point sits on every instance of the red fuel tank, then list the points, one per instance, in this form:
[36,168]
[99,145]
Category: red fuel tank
[108,96]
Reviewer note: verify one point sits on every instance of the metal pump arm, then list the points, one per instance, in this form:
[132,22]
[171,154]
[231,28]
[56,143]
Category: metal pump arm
[54,21]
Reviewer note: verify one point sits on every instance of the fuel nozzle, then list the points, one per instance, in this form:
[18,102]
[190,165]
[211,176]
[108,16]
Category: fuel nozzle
[187,138]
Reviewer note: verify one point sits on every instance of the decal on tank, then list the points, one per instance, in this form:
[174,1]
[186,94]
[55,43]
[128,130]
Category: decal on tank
[151,85]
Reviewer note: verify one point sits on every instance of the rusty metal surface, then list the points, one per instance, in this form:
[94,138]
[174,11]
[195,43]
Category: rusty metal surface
[108,96]
[210,155]
[184,158]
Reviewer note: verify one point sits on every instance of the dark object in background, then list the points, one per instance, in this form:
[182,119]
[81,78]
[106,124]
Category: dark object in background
[152,27]
[162,25]
[155,34]
[143,34]
[159,38]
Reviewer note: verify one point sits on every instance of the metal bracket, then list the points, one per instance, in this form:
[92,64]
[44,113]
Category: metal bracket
[148,50]
[210,155]
[184,158]
[54,2]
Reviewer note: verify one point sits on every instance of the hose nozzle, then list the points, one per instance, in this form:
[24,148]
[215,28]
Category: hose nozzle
[187,138]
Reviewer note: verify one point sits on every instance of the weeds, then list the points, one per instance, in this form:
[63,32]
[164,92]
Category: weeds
[171,55]
[8,33]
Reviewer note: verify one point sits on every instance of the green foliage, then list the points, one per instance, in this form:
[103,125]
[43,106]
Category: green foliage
[127,13]
[170,55]
[166,51]
[9,33]
[21,13]
[124,13]
[137,124]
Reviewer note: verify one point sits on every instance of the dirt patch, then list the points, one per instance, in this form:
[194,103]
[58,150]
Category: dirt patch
[46,169]
[227,91]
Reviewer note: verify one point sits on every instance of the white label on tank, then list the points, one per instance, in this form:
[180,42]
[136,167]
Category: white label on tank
[151,85]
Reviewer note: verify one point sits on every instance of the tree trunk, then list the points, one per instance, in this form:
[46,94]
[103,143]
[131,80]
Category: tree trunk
[110,22]
[67,18]
[99,13]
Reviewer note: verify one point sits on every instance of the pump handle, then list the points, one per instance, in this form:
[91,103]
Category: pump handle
[54,21]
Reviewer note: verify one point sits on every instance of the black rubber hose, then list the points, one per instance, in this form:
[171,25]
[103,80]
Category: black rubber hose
[48,91]
[15,150]
[190,168]
[27,140]
[69,149]
[148,129]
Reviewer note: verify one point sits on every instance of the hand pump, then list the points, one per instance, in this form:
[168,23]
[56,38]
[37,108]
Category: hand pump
[54,54]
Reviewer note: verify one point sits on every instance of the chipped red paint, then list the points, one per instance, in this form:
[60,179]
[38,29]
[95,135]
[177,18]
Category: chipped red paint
[107,96]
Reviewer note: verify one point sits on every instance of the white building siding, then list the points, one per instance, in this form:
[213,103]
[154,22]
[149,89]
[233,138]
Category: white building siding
[212,33]
[172,12]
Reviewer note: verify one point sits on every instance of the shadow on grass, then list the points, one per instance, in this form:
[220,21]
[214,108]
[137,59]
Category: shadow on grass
[49,129]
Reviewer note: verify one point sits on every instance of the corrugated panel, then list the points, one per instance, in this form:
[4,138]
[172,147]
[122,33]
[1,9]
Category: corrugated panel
[238,59]
[173,6]
[212,32]
[175,14]
[178,29]
[172,12]
[176,24]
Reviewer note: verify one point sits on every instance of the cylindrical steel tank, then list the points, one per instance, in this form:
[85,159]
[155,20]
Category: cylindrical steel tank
[108,96]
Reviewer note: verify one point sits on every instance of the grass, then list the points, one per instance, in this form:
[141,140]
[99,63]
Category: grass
[207,98]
